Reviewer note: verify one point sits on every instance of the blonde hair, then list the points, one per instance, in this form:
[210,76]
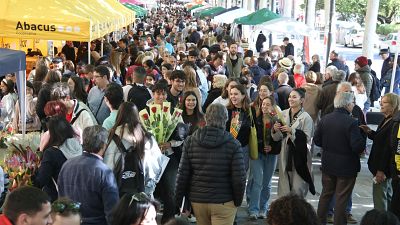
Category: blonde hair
[394,101]
[115,60]
[219,80]
[139,59]
[190,77]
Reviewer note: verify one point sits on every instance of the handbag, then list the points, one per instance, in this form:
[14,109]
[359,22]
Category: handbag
[253,142]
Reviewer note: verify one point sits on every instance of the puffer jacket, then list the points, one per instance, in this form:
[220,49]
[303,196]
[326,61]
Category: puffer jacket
[365,75]
[211,168]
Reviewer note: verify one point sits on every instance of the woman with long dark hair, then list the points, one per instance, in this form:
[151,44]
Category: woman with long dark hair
[263,168]
[62,145]
[135,209]
[77,89]
[191,113]
[129,131]
[239,121]
[296,126]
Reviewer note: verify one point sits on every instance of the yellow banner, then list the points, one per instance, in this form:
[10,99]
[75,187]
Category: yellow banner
[77,20]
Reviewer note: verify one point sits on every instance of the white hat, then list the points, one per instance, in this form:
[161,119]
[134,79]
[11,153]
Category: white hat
[286,63]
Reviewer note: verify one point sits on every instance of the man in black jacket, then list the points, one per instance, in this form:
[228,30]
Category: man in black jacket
[289,47]
[340,137]
[211,172]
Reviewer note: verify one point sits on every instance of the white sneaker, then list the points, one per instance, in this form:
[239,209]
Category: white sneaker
[192,219]
[253,217]
[262,215]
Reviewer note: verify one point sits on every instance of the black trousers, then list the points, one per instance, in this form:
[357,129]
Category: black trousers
[165,189]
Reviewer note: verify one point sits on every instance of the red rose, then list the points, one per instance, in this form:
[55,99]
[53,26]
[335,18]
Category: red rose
[145,116]
[154,109]
[268,125]
[165,109]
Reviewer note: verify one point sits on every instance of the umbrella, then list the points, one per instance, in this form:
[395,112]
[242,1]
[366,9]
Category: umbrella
[258,17]
[210,12]
[286,25]
[140,11]
[229,16]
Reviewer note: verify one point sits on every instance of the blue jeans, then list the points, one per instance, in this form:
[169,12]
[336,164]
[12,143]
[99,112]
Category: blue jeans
[262,170]
[332,205]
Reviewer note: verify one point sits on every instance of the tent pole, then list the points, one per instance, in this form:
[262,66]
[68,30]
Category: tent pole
[52,49]
[102,47]
[88,52]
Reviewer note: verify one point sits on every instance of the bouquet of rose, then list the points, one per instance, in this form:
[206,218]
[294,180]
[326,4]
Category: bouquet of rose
[159,121]
[20,166]
[23,159]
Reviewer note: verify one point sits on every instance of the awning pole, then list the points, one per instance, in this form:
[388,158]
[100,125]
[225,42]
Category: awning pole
[102,47]
[88,52]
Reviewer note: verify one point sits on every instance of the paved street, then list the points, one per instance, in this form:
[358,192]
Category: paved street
[362,193]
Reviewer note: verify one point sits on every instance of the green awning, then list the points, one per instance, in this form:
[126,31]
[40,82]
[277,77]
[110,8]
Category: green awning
[258,17]
[195,7]
[140,11]
[209,12]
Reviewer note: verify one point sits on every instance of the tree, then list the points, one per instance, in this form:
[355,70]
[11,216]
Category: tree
[388,10]
[355,10]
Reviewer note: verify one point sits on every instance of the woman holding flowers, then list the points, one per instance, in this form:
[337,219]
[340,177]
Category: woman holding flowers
[61,146]
[129,132]
[239,121]
[191,114]
[263,168]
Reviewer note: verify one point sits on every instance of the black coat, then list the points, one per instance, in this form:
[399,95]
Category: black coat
[283,92]
[50,167]
[298,153]
[211,168]
[316,67]
[343,142]
[381,152]
[212,95]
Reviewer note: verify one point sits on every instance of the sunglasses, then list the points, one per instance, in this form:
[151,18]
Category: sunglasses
[139,197]
[60,207]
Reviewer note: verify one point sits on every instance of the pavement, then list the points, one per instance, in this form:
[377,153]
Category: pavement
[362,192]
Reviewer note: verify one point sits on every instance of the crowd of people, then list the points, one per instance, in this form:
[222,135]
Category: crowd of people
[101,166]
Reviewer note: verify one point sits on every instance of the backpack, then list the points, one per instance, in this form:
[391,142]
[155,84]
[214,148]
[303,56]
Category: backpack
[376,89]
[139,95]
[128,170]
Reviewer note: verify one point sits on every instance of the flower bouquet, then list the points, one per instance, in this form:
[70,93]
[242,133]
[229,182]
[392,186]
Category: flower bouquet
[23,159]
[159,121]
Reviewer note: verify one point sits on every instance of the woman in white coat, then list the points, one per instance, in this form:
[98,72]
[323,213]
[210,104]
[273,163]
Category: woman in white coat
[294,118]
[130,132]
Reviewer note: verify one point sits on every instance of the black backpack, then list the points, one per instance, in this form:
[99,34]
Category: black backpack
[376,89]
[139,95]
[128,170]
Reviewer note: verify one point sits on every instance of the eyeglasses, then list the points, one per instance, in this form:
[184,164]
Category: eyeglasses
[139,197]
[60,207]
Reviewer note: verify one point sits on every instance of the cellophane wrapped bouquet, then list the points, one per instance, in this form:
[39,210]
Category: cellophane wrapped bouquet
[159,121]
[22,159]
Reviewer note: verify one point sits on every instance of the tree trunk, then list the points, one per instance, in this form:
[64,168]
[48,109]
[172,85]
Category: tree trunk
[370,28]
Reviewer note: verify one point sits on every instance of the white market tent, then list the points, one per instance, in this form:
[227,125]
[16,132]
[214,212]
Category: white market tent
[230,16]
[12,61]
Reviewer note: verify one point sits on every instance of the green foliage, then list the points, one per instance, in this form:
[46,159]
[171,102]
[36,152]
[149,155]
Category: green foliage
[355,10]
[385,29]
